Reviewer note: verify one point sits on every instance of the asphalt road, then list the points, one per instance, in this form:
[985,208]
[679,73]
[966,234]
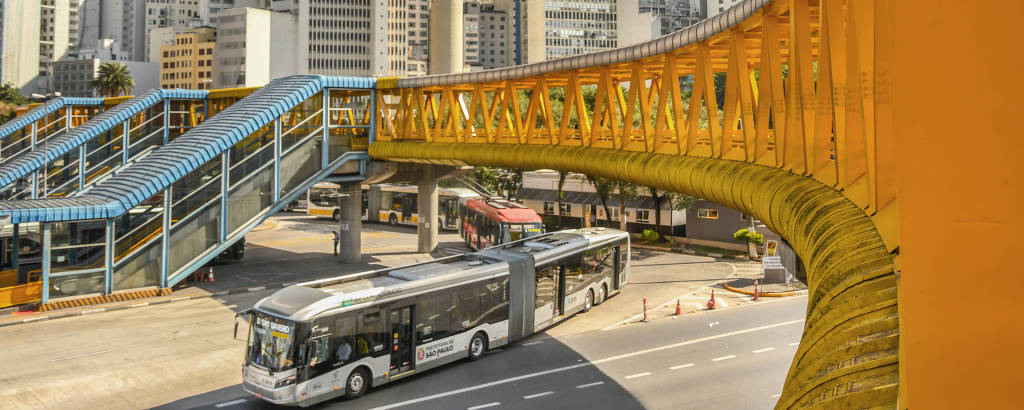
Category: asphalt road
[182,354]
[730,359]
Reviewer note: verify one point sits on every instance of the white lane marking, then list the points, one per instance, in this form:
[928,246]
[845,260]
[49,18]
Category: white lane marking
[633,376]
[577,366]
[794,343]
[230,403]
[181,298]
[484,406]
[767,349]
[232,306]
[80,355]
[533,343]
[583,386]
[776,395]
[672,301]
[534,396]
[718,359]
[257,288]
[140,304]
[682,366]
[721,301]
[86,312]
[33,319]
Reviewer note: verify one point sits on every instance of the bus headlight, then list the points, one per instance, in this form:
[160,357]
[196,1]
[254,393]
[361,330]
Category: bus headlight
[287,381]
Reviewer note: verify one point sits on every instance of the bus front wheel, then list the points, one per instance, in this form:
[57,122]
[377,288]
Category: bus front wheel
[601,294]
[336,215]
[393,219]
[477,346]
[357,383]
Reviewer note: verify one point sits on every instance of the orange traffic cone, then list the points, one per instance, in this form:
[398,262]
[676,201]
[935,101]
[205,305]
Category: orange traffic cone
[679,309]
[210,277]
[756,293]
[711,303]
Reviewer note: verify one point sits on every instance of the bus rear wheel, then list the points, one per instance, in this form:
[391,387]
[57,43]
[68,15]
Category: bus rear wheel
[477,346]
[336,215]
[393,219]
[357,383]
[588,301]
[602,294]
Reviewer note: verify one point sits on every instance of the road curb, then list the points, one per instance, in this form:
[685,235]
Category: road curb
[764,294]
[101,309]
[690,252]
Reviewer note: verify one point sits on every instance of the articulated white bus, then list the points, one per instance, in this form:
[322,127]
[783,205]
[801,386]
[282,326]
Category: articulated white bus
[394,204]
[319,340]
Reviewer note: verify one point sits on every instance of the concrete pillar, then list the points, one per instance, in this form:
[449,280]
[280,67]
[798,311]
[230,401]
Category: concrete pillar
[350,225]
[446,37]
[426,227]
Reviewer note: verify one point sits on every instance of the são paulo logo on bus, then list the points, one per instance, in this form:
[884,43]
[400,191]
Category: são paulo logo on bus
[433,351]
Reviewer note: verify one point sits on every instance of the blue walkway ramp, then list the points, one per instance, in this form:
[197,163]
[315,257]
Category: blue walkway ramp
[71,160]
[48,120]
[191,200]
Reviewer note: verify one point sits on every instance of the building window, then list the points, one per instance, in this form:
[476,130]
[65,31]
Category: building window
[615,213]
[704,213]
[566,209]
[549,207]
[643,215]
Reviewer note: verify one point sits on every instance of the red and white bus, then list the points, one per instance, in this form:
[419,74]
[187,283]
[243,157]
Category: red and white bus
[488,222]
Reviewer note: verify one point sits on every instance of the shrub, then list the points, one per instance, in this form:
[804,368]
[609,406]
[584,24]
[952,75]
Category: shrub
[650,235]
[743,235]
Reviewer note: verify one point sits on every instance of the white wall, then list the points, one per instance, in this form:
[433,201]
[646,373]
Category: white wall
[146,75]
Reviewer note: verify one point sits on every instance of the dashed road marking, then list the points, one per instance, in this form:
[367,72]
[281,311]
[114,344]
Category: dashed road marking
[229,403]
[718,359]
[583,386]
[80,355]
[585,364]
[794,343]
[181,298]
[534,396]
[682,366]
[633,376]
[258,288]
[776,395]
[767,349]
[232,306]
[537,342]
[140,304]
[484,406]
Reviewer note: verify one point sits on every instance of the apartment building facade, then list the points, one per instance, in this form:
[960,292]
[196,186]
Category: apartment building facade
[189,62]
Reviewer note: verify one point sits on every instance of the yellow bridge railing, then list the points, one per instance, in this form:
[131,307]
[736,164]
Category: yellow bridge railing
[798,134]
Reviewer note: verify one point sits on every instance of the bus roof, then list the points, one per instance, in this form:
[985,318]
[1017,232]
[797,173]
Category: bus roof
[409,189]
[503,211]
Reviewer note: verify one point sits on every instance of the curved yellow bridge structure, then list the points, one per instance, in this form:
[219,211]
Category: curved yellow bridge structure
[829,132]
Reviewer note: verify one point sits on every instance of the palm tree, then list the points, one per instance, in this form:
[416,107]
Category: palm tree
[112,80]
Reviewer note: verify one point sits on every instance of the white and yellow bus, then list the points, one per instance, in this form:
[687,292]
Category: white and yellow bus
[388,203]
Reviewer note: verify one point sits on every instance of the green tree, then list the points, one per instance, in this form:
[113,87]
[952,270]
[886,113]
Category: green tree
[626,191]
[561,194]
[604,187]
[112,80]
[10,100]
[676,202]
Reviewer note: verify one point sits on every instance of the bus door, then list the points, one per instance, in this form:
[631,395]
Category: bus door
[401,341]
[408,207]
[617,269]
[450,210]
[560,291]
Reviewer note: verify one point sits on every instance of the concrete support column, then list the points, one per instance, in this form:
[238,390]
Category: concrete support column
[426,209]
[446,37]
[350,225]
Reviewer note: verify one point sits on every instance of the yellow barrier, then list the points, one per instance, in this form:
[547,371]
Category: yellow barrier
[21,294]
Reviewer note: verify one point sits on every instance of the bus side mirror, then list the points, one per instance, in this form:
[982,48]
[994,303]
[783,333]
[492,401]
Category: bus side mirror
[245,312]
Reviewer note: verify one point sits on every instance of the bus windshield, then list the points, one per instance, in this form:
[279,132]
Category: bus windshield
[271,341]
[515,232]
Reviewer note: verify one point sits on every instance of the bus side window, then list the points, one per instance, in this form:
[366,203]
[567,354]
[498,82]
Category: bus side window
[467,308]
[426,317]
[370,335]
[344,346]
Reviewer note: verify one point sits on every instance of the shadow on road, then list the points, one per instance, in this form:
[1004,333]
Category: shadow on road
[481,382]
